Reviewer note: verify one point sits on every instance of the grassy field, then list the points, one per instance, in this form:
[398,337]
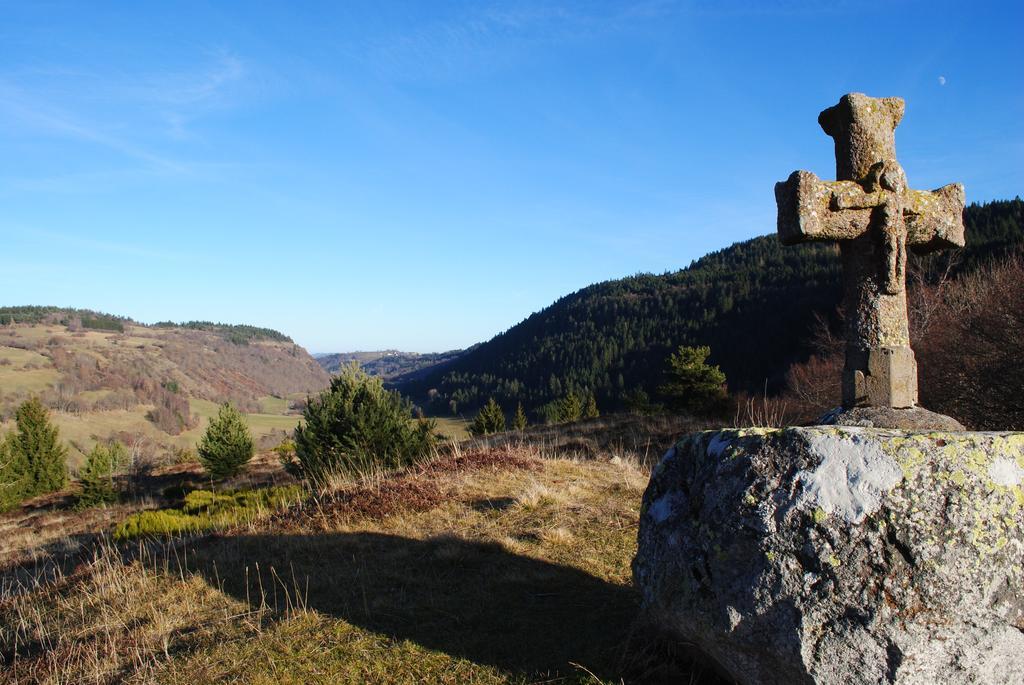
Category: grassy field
[259,424]
[456,429]
[274,405]
[25,371]
[495,566]
[82,431]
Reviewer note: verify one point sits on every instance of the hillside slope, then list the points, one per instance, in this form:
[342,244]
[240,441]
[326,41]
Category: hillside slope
[108,377]
[754,303]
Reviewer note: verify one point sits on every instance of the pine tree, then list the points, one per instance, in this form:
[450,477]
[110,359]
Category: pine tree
[356,426]
[570,408]
[13,474]
[226,445]
[520,422]
[38,442]
[693,385]
[97,475]
[491,419]
[590,410]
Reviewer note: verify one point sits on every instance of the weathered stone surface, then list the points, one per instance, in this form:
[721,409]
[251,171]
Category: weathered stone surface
[875,217]
[840,555]
[914,419]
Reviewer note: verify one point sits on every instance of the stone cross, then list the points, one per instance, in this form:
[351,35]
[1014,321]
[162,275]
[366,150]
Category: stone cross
[875,217]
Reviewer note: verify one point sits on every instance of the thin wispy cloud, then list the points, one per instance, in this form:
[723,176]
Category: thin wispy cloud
[167,102]
[196,86]
[19,106]
[185,96]
[119,248]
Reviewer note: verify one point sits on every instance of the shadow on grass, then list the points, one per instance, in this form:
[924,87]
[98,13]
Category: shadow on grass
[465,598]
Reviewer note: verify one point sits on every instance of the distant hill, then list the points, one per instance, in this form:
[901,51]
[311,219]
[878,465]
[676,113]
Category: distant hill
[236,333]
[108,376]
[78,319]
[754,303]
[389,364]
[73,318]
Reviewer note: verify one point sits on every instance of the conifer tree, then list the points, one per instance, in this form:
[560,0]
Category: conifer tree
[491,419]
[97,475]
[357,425]
[226,445]
[571,408]
[590,410]
[13,474]
[693,385]
[520,422]
[38,442]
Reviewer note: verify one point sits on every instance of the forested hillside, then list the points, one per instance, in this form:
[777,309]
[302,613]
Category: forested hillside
[388,364]
[753,303]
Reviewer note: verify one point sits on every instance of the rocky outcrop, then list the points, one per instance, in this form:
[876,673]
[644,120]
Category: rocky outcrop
[840,554]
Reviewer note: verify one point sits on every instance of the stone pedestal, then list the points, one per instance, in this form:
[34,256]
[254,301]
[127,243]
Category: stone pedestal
[880,377]
[840,554]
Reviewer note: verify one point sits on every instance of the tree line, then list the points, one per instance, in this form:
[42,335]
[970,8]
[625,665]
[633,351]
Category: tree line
[74,319]
[240,334]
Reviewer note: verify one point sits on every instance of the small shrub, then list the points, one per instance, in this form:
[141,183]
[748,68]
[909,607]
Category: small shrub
[158,523]
[171,412]
[638,401]
[355,425]
[183,455]
[97,476]
[286,454]
[204,510]
[226,445]
[490,419]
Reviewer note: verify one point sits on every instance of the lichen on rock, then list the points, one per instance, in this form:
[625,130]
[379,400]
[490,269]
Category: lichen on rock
[840,554]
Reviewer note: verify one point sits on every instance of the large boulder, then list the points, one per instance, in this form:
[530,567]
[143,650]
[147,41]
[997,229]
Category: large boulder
[840,554]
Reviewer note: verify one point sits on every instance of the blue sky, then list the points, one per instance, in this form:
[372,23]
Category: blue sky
[423,175]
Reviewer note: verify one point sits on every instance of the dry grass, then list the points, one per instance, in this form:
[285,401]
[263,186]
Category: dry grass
[638,438]
[117,619]
[482,566]
[762,412]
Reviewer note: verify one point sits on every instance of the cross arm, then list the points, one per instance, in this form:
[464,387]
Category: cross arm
[935,219]
[809,212]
